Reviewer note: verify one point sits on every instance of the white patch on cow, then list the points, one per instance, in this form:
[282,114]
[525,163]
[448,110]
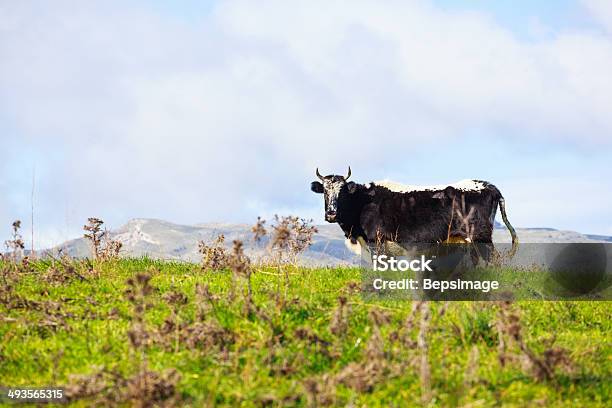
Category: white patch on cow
[354,248]
[333,187]
[463,185]
[332,191]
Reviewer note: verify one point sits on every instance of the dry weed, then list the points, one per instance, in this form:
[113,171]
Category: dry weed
[423,347]
[103,248]
[470,376]
[242,271]
[320,391]
[202,334]
[15,246]
[339,322]
[290,237]
[322,345]
[61,271]
[111,388]
[541,367]
[214,256]
[259,230]
[94,235]
[364,376]
[409,324]
[145,388]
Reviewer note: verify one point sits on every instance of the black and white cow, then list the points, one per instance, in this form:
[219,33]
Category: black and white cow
[388,211]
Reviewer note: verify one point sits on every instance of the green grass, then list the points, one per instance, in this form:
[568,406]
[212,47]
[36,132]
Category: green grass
[249,374]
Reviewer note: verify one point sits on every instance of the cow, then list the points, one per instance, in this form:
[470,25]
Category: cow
[386,211]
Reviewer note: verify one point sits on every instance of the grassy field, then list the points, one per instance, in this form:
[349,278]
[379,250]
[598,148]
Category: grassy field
[304,337]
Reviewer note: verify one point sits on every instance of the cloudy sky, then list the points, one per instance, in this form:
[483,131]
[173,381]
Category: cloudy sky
[220,111]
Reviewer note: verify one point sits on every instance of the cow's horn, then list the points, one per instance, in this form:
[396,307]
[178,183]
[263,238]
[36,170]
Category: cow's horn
[319,175]
[349,174]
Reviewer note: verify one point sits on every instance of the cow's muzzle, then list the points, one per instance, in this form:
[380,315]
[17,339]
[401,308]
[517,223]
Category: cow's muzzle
[330,216]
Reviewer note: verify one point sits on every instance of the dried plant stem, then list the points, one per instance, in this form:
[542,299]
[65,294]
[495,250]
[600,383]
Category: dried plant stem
[471,369]
[450,223]
[97,237]
[501,345]
[423,347]
[177,334]
[32,252]
[541,366]
[15,245]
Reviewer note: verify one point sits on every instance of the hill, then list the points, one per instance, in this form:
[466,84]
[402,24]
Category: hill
[159,239]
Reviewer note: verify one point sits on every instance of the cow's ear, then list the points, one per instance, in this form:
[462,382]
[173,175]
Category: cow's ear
[316,187]
[352,187]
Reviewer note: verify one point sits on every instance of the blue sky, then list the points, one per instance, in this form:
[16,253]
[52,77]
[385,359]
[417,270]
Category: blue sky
[205,111]
[517,14]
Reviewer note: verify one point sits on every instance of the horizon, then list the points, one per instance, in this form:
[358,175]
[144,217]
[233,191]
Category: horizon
[115,229]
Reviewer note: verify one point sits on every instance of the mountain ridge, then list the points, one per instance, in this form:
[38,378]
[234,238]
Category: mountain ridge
[160,239]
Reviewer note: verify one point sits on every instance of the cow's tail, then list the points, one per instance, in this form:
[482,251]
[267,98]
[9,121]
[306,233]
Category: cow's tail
[502,209]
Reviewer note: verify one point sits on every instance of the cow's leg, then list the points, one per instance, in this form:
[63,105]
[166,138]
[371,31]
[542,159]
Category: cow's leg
[365,249]
[354,247]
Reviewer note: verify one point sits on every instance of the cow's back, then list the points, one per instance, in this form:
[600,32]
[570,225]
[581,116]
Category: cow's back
[432,215]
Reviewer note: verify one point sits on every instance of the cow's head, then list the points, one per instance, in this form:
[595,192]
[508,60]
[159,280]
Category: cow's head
[334,188]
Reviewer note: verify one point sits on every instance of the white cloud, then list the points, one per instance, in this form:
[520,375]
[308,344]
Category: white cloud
[601,10]
[143,115]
